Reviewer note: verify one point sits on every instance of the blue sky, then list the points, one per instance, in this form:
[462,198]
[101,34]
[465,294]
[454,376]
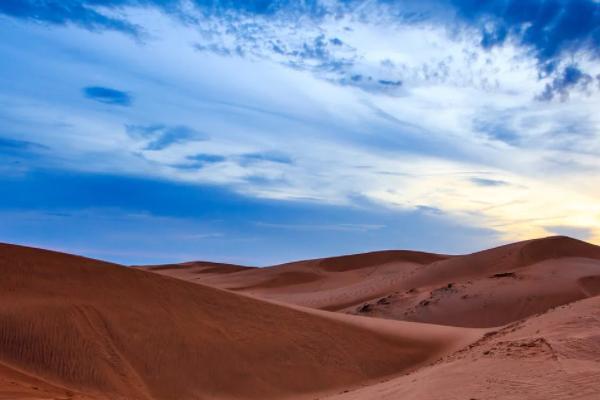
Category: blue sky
[259,132]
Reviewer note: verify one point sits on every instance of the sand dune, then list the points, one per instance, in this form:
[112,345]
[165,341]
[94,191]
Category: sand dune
[517,321]
[72,327]
[554,356]
[484,289]
[329,283]
[494,300]
[494,287]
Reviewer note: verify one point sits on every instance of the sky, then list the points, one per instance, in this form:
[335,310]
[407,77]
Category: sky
[259,132]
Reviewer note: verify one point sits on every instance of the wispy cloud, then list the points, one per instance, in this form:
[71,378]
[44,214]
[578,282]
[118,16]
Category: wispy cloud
[319,227]
[14,151]
[270,157]
[82,13]
[487,182]
[571,78]
[108,95]
[549,28]
[8,144]
[159,137]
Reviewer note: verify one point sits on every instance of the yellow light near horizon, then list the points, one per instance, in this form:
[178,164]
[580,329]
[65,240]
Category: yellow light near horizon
[517,209]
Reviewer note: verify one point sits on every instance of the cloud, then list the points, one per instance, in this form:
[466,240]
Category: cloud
[555,32]
[389,83]
[272,157]
[159,137]
[548,27]
[206,158]
[547,30]
[571,78]
[321,227]
[14,150]
[430,210]
[497,126]
[487,182]
[107,95]
[198,161]
[81,13]
[97,15]
[8,144]
[329,44]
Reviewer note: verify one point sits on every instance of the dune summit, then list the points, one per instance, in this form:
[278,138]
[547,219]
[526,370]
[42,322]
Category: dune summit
[517,320]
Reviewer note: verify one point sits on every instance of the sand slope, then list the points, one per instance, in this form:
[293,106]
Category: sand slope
[484,289]
[72,327]
[554,356]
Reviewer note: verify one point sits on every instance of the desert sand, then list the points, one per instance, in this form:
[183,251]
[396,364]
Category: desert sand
[485,289]
[514,322]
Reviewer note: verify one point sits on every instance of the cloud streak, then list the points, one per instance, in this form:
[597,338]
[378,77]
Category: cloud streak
[108,96]
[158,137]
[81,13]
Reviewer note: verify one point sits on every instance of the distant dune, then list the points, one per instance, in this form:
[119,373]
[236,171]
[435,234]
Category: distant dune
[195,270]
[518,321]
[329,283]
[485,289]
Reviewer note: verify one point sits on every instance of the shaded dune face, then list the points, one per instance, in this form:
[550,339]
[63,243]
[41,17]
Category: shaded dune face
[484,289]
[590,285]
[72,327]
